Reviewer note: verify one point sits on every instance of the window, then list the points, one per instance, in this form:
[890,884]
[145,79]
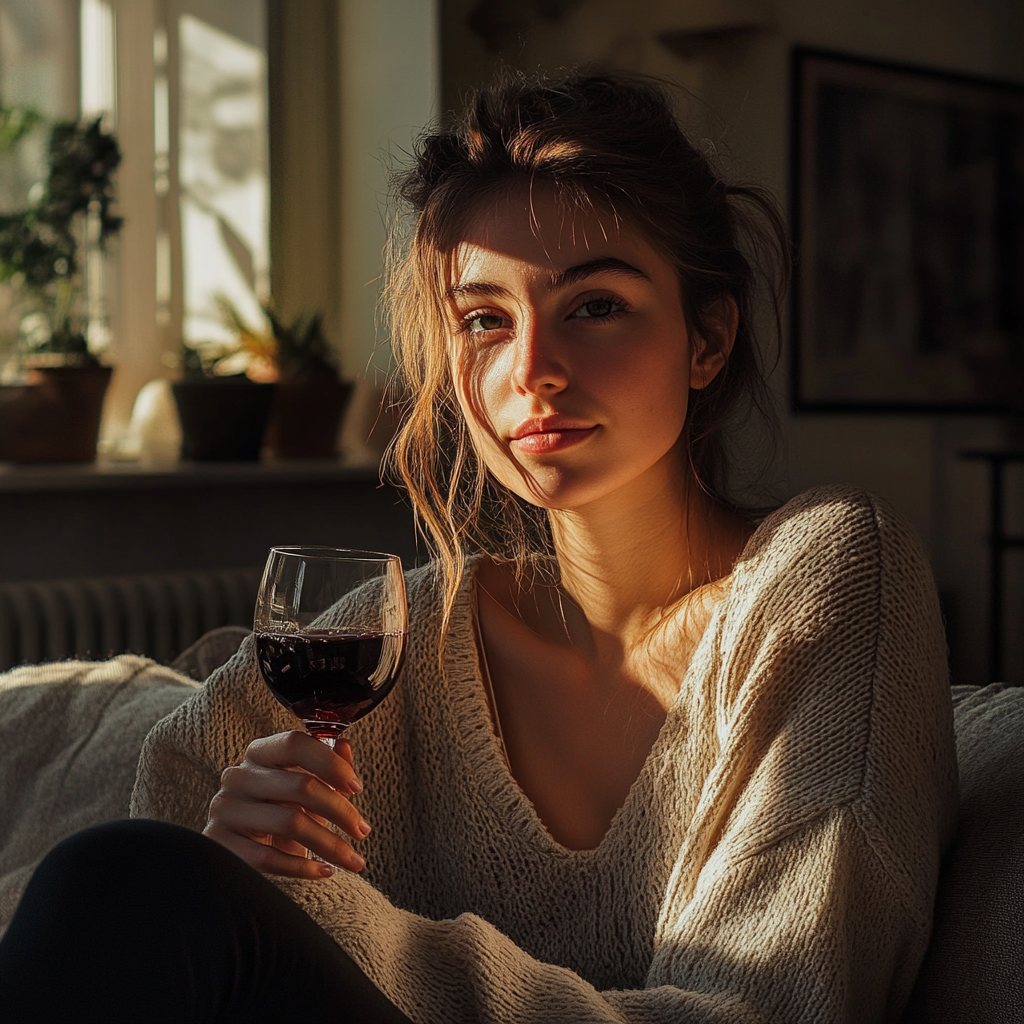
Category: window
[38,69]
[221,193]
[185,93]
[187,87]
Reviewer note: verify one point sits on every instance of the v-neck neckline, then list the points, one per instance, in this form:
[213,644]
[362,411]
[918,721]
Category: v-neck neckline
[495,773]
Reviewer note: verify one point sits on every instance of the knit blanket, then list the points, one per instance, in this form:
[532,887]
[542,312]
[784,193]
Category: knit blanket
[70,735]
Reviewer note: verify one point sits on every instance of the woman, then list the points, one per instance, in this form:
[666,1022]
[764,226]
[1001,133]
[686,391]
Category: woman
[646,761]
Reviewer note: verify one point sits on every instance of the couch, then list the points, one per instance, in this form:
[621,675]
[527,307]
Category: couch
[974,968]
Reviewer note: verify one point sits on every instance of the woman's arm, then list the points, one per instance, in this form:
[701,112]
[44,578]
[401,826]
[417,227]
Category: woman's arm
[183,754]
[236,765]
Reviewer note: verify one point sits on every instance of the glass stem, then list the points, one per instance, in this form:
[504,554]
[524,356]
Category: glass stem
[326,733]
[328,739]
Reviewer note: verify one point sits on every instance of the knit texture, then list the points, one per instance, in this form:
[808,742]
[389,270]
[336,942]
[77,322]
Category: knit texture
[775,860]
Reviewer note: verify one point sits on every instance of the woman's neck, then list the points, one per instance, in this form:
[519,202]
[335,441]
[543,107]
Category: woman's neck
[628,558]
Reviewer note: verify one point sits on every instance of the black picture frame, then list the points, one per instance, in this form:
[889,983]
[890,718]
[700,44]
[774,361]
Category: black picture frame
[907,211]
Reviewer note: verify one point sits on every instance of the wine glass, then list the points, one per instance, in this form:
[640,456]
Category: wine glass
[331,626]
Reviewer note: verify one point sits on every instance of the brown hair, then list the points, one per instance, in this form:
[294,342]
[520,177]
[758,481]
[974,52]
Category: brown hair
[597,139]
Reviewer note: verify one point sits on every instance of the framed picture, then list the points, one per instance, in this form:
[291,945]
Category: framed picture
[908,217]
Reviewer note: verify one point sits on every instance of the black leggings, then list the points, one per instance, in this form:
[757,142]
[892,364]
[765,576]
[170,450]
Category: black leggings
[145,921]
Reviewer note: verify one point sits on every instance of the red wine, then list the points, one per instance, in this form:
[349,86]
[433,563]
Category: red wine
[330,679]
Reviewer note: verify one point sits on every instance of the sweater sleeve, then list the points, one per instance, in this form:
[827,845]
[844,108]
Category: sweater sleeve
[183,754]
[809,869]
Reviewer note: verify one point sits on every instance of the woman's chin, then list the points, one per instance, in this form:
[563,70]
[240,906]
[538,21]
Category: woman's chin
[559,486]
[562,489]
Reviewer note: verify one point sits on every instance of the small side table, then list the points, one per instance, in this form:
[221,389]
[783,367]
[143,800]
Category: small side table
[999,542]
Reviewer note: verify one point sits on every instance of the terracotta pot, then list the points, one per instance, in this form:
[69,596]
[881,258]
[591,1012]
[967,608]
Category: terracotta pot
[55,417]
[305,418]
[223,419]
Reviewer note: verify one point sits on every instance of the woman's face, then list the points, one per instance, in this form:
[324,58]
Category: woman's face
[570,351]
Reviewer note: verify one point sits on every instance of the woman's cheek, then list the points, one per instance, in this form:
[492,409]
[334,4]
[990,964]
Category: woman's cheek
[476,394]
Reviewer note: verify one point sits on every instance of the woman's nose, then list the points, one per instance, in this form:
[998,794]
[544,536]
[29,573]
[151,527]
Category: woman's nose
[540,366]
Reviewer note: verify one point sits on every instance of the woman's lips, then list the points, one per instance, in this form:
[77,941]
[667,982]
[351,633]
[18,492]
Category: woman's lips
[543,441]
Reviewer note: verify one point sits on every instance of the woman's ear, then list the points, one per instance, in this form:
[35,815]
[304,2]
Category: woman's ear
[711,348]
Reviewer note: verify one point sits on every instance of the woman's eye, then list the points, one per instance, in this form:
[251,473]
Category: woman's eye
[595,309]
[484,322]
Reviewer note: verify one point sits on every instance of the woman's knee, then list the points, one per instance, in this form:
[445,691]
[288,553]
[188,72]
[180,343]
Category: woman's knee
[115,846]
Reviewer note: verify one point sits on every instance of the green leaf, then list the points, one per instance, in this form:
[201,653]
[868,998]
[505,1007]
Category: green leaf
[15,124]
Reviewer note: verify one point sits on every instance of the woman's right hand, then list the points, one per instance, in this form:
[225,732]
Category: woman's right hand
[274,806]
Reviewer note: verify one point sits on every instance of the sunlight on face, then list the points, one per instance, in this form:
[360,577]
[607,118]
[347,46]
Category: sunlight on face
[570,351]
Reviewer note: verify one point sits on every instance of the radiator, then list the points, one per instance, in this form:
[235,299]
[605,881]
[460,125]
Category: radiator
[156,615]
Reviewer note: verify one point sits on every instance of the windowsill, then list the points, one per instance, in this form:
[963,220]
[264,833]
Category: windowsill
[114,518]
[111,474]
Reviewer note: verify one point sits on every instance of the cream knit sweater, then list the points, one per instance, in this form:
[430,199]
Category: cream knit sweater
[776,859]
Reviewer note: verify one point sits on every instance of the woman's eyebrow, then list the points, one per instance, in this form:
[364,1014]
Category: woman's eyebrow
[602,265]
[569,276]
[490,291]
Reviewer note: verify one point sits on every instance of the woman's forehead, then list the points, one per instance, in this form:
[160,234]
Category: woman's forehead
[540,229]
[545,213]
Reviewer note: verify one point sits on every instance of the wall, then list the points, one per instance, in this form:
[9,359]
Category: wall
[389,68]
[742,105]
[304,105]
[131,276]
[351,84]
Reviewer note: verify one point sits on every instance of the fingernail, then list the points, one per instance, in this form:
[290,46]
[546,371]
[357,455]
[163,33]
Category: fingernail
[326,870]
[364,829]
[357,786]
[357,862]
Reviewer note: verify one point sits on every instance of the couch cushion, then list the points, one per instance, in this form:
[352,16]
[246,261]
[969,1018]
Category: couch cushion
[209,652]
[973,968]
[70,736]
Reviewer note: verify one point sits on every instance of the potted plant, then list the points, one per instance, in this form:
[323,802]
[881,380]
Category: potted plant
[223,410]
[311,396]
[52,413]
